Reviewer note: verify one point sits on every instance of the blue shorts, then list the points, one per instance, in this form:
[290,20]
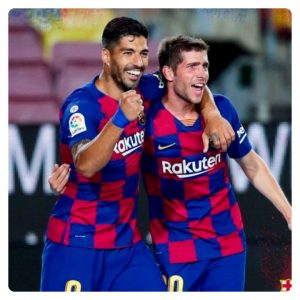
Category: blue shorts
[66,268]
[220,274]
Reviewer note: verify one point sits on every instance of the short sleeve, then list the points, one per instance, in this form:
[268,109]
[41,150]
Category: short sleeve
[80,120]
[241,145]
[151,87]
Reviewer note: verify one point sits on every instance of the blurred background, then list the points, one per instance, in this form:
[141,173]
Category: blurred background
[53,51]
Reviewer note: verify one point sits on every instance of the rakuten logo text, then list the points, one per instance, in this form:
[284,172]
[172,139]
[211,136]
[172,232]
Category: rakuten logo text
[187,169]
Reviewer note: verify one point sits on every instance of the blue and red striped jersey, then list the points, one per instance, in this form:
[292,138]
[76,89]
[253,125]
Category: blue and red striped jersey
[193,211]
[100,212]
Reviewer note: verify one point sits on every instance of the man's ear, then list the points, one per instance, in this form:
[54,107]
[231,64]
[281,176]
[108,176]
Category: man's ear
[168,73]
[105,56]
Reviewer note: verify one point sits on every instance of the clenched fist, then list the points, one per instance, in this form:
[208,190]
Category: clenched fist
[131,104]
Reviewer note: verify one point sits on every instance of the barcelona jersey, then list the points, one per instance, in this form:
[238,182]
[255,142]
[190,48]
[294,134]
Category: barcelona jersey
[100,212]
[193,211]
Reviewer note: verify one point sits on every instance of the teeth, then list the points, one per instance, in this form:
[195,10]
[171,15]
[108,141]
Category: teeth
[198,85]
[134,72]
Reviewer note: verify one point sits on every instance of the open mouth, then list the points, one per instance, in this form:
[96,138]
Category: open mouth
[134,74]
[198,86]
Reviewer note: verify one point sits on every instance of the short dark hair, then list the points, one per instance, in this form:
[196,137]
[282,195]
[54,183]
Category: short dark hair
[170,49]
[120,27]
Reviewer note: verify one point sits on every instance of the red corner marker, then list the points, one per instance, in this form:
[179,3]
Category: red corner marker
[286,285]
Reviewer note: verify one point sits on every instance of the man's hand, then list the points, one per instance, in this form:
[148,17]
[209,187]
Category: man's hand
[131,104]
[59,178]
[218,132]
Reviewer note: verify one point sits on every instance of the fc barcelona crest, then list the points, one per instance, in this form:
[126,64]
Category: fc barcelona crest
[142,118]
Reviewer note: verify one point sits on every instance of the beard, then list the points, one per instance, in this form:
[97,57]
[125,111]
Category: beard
[120,83]
[185,94]
[186,98]
[116,74]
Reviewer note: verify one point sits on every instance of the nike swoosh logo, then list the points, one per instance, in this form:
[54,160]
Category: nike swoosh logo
[160,147]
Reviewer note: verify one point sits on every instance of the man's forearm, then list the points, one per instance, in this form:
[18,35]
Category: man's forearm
[217,129]
[208,105]
[262,179]
[94,155]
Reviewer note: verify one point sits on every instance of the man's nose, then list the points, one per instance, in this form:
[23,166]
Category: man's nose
[202,72]
[138,60]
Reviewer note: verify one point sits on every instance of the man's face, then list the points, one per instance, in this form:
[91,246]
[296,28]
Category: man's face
[128,61]
[191,76]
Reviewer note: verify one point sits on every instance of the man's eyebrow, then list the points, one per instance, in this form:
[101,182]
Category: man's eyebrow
[195,63]
[198,63]
[127,49]
[131,49]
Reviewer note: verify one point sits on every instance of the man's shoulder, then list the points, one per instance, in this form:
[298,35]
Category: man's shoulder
[80,95]
[153,78]
[151,85]
[220,98]
[85,91]
[222,102]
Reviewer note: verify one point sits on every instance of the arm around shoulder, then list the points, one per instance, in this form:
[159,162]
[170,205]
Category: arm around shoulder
[217,128]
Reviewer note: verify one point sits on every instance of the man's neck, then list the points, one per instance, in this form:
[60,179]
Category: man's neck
[106,85]
[179,108]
